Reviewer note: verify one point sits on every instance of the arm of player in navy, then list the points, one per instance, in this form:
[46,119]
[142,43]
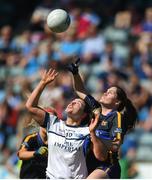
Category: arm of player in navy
[24,152]
[77,80]
[98,147]
[79,87]
[32,103]
[93,104]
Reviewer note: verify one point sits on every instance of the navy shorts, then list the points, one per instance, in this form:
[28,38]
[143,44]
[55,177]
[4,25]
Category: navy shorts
[113,170]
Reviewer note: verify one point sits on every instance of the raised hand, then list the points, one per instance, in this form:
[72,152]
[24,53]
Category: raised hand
[94,123]
[77,61]
[49,76]
[73,67]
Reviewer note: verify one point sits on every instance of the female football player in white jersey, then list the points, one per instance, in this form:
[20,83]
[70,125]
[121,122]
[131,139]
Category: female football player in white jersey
[66,139]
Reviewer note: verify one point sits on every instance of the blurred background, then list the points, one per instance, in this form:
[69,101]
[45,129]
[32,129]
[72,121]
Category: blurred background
[113,39]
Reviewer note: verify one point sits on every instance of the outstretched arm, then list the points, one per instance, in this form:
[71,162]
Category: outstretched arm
[79,86]
[32,103]
[80,89]
[77,80]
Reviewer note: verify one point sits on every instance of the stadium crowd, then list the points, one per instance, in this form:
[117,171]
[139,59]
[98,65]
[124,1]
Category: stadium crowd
[115,48]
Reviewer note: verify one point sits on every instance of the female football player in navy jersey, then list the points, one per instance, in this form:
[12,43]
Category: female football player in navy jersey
[33,153]
[66,139]
[118,116]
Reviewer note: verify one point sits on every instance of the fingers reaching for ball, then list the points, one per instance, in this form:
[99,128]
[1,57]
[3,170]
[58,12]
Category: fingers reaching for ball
[49,76]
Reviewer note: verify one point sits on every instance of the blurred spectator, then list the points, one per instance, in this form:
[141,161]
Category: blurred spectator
[8,123]
[7,43]
[118,33]
[108,58]
[147,24]
[92,46]
[148,121]
[142,60]
[68,47]
[88,18]
[39,15]
[25,43]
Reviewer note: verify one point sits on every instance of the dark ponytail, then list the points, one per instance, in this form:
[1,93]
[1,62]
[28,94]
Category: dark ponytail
[129,114]
[127,109]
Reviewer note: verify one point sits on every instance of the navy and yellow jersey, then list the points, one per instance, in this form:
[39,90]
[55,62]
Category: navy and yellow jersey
[109,126]
[112,169]
[36,166]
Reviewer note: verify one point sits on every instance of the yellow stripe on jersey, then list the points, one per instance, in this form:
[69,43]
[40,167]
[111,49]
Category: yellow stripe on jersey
[119,125]
[29,137]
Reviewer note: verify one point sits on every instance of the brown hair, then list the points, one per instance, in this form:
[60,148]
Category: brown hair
[86,118]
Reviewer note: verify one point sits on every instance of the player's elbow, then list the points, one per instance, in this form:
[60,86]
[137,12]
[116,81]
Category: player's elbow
[29,107]
[19,154]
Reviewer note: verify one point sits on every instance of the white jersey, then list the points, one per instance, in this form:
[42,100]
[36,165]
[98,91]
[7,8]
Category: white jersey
[66,159]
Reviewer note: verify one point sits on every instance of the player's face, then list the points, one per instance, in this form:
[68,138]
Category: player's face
[109,98]
[75,107]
